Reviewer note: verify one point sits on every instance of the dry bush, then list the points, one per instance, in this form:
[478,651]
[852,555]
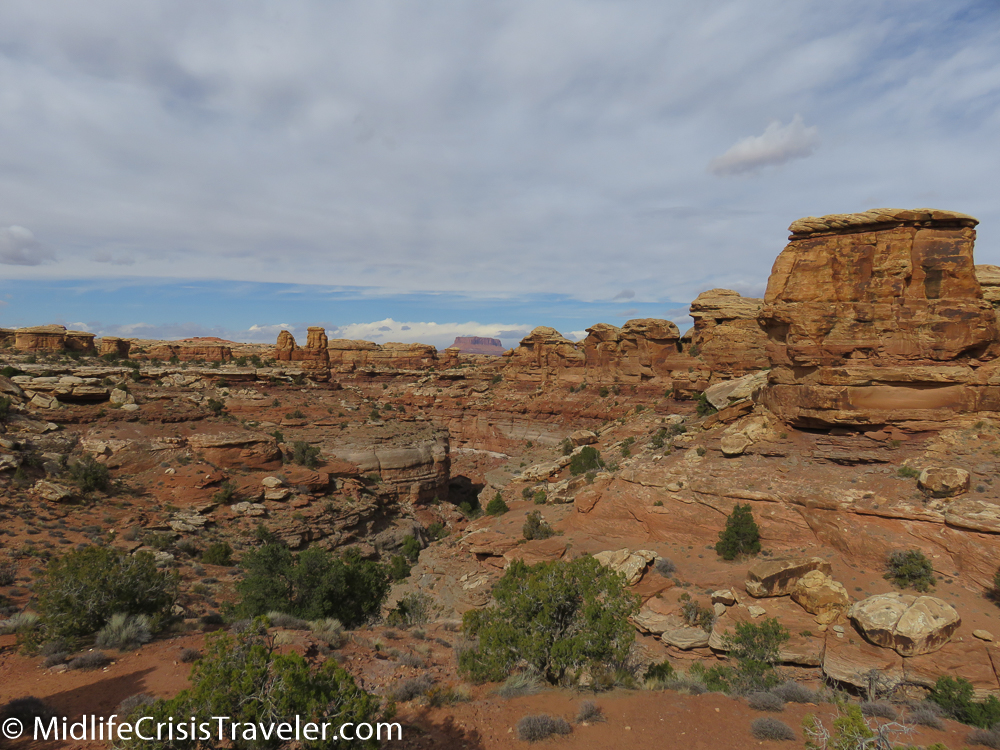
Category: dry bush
[407,690]
[769,728]
[125,632]
[985,737]
[540,727]
[411,660]
[519,683]
[925,714]
[189,655]
[793,692]
[281,620]
[765,702]
[879,709]
[89,660]
[589,712]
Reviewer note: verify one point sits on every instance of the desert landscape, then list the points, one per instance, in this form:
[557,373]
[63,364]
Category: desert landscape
[843,433]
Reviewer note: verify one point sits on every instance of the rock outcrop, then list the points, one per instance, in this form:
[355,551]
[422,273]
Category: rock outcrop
[478,345]
[989,280]
[778,577]
[314,358]
[116,347]
[181,351]
[909,625]
[53,338]
[726,335]
[642,350]
[238,449]
[820,595]
[878,318]
[630,564]
[347,355]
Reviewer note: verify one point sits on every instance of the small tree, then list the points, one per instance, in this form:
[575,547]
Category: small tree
[496,506]
[588,459]
[756,648]
[89,475]
[556,616]
[81,590]
[311,585]
[741,535]
[910,569]
[240,677]
[305,455]
[535,527]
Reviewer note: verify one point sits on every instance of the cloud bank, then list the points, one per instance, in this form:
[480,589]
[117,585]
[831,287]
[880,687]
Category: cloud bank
[778,144]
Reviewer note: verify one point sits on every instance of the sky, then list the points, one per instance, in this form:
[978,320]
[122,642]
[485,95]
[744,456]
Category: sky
[411,171]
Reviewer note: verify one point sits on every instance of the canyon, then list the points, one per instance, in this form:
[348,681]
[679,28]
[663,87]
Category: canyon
[853,409]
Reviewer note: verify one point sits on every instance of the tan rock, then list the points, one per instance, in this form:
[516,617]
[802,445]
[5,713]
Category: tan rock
[735,444]
[854,661]
[630,564]
[115,346]
[238,449]
[583,437]
[820,595]
[729,392]
[726,335]
[724,596]
[778,577]
[969,660]
[53,492]
[983,635]
[910,625]
[943,482]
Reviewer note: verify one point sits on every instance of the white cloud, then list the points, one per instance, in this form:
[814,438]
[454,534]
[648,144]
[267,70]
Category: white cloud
[441,335]
[625,294]
[18,247]
[777,145]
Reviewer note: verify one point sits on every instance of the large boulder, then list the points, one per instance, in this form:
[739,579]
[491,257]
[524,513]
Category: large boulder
[943,482]
[910,625]
[630,564]
[820,595]
[778,577]
[726,335]
[238,449]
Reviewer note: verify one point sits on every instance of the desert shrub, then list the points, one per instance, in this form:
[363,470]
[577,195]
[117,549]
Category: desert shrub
[603,391]
[555,616]
[755,648]
[741,535]
[689,684]
[188,655]
[55,659]
[89,660]
[398,568]
[27,710]
[82,589]
[665,567]
[329,630]
[793,692]
[88,474]
[535,527]
[496,506]
[20,623]
[311,585]
[411,547]
[910,569]
[297,414]
[518,684]
[878,709]
[218,553]
[411,660]
[439,696]
[588,459]
[589,712]
[926,714]
[411,609]
[659,672]
[985,737]
[281,685]
[769,728]
[437,531]
[540,727]
[4,407]
[8,572]
[410,688]
[305,455]
[955,697]
[704,407]
[125,632]
[226,494]
[134,702]
[697,616]
[908,472]
[288,622]
[216,407]
[761,701]
[540,497]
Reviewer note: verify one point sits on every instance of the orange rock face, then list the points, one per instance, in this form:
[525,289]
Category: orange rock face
[347,355]
[314,358]
[165,350]
[878,318]
[40,338]
[116,346]
[726,333]
[639,351]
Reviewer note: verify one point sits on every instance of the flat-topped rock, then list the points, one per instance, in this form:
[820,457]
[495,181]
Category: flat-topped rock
[879,219]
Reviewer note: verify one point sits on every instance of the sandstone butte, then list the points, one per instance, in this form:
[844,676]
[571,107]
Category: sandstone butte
[478,345]
[857,417]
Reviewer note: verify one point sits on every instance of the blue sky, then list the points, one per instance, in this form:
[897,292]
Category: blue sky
[184,168]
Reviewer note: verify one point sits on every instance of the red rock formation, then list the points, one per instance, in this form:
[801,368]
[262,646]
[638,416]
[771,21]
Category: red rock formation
[989,280]
[347,355]
[117,347]
[726,334]
[878,318]
[40,338]
[7,336]
[313,358]
[165,350]
[478,345]
[80,341]
[639,351]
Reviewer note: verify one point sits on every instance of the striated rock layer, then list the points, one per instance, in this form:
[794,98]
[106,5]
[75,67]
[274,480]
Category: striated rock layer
[726,333]
[878,318]
[314,358]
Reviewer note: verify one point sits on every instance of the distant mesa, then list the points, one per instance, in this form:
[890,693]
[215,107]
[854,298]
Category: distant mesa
[478,345]
[208,339]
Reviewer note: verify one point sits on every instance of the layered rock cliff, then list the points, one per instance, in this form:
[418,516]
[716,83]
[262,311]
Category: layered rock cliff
[878,318]
[478,345]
